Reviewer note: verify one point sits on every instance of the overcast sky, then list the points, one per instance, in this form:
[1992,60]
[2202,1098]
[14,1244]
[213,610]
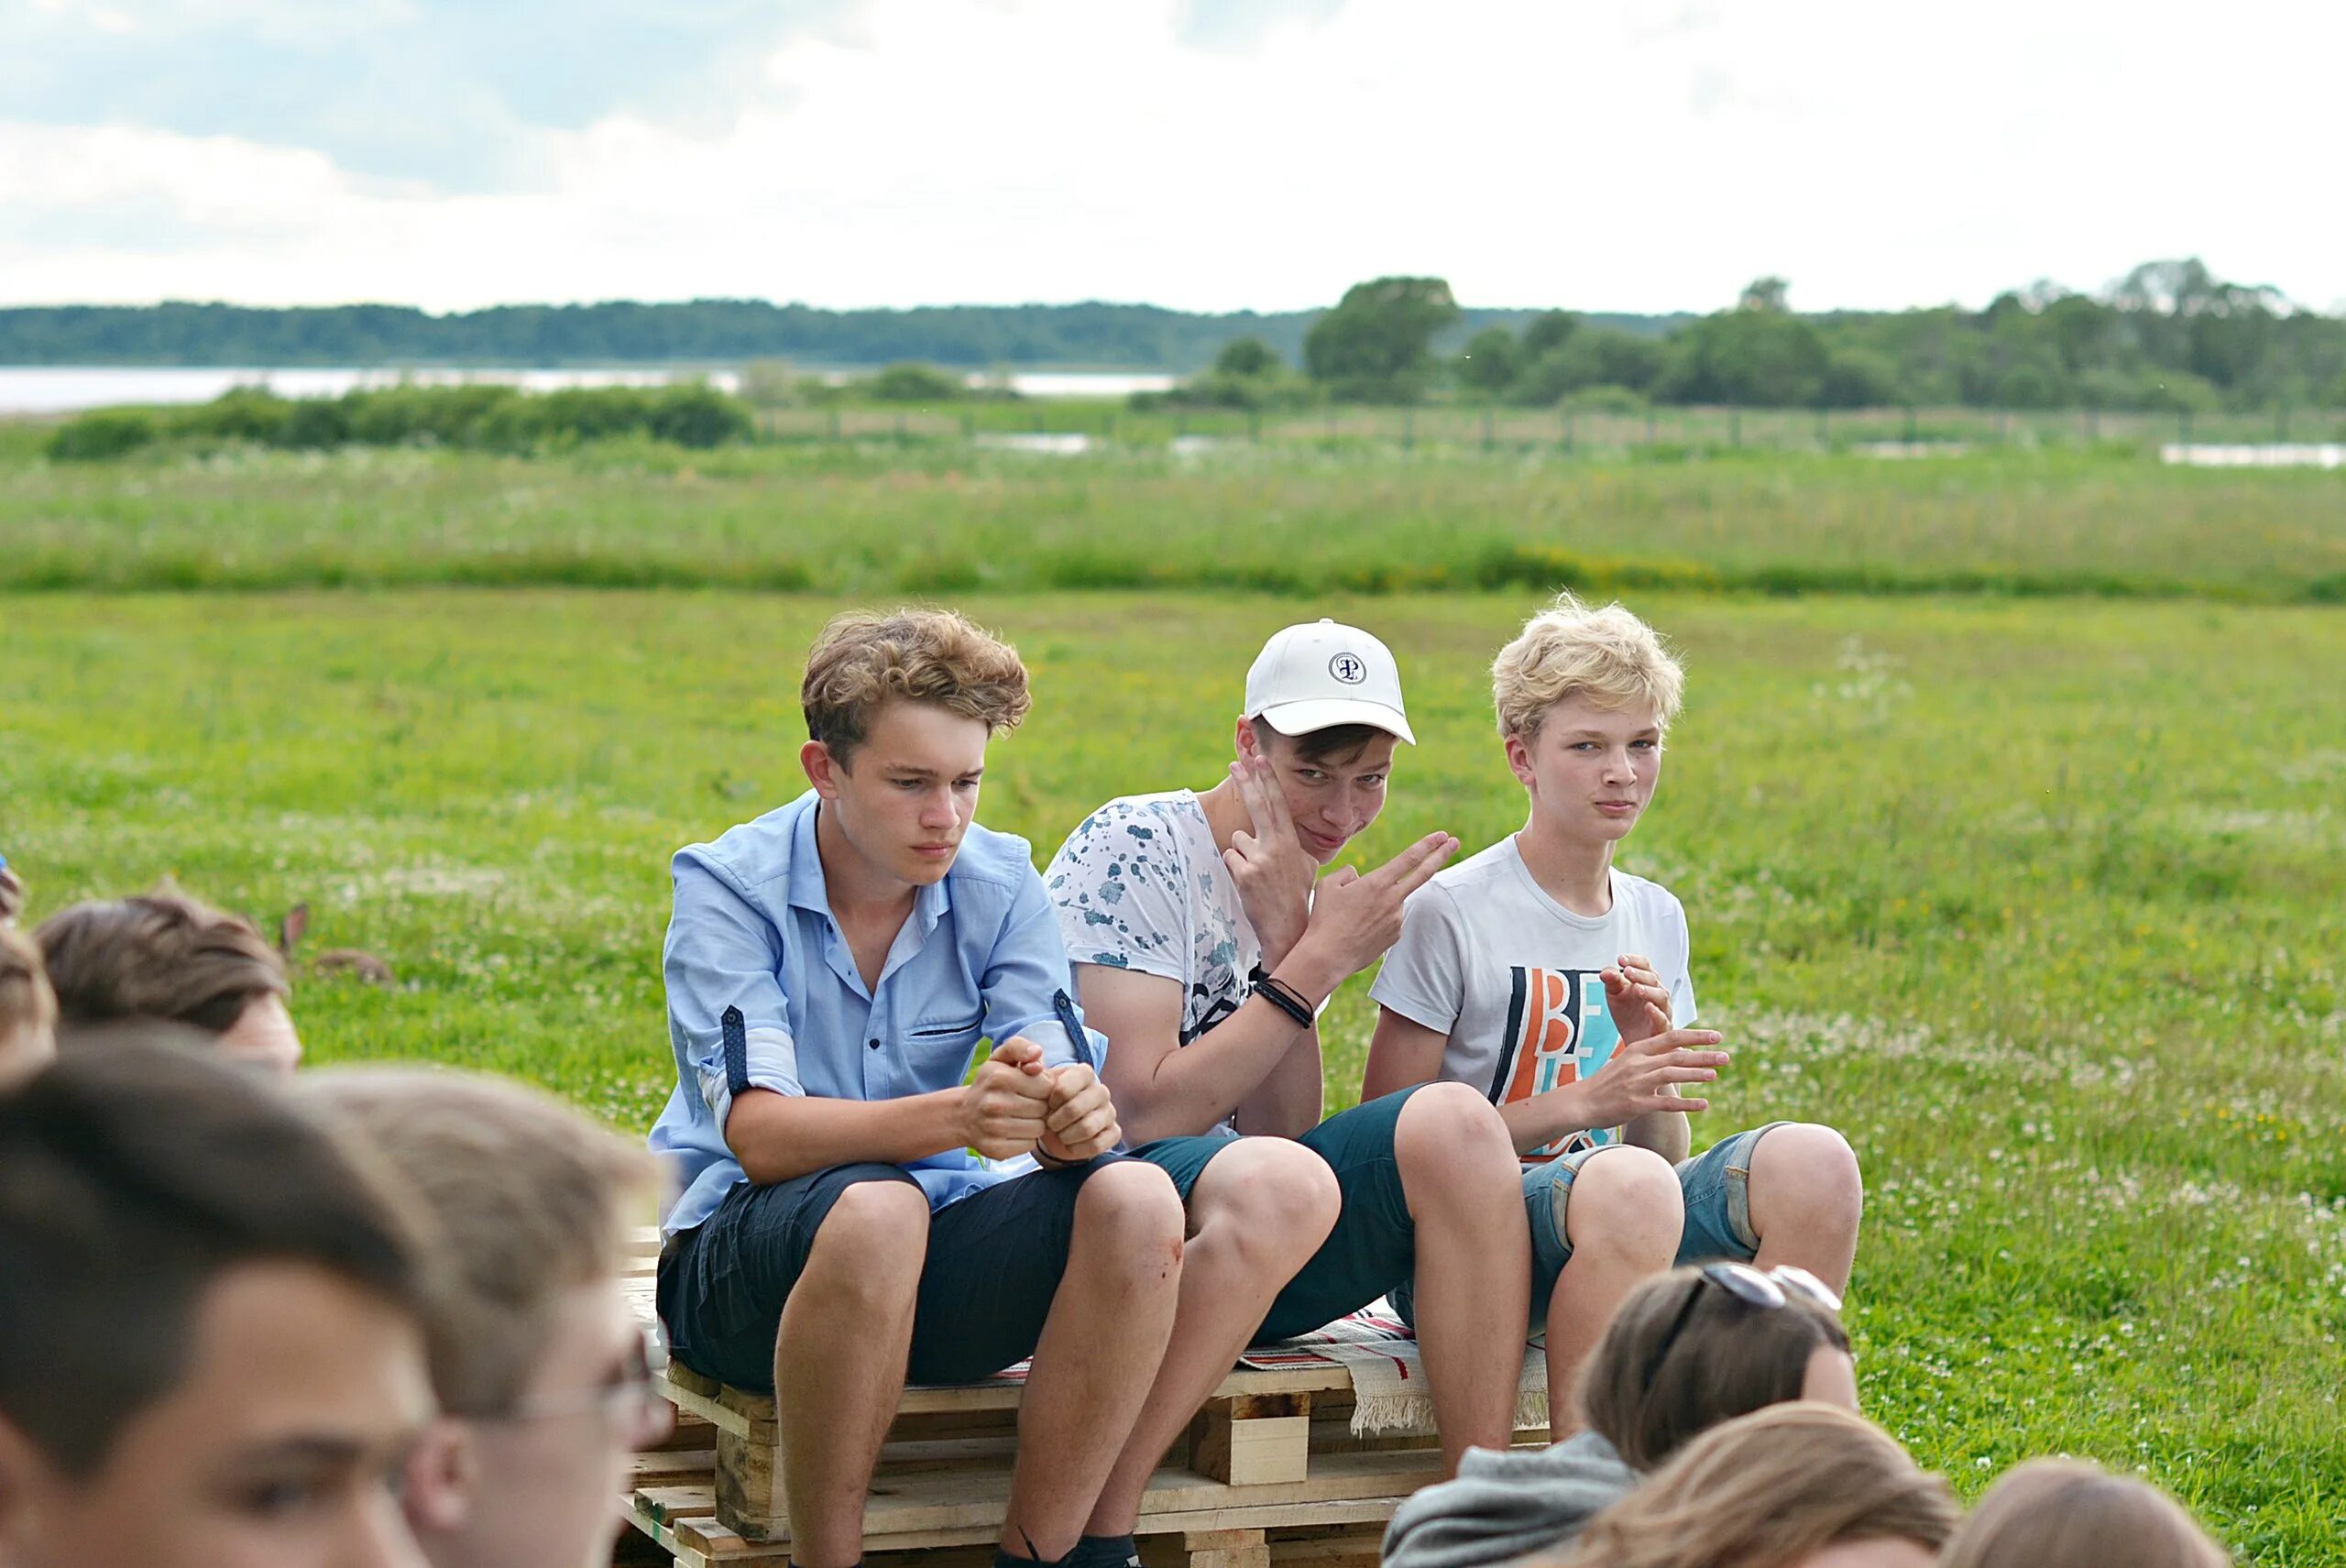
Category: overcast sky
[1644,155]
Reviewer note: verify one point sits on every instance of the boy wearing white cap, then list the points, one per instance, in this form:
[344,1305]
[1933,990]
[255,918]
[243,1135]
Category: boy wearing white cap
[1205,945]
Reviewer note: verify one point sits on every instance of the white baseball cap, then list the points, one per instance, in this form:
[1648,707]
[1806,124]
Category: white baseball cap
[1321,674]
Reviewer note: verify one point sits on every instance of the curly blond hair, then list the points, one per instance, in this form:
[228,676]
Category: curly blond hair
[1569,650]
[862,662]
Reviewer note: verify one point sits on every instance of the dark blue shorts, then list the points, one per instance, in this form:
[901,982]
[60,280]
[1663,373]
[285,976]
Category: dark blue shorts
[1374,1247]
[995,1261]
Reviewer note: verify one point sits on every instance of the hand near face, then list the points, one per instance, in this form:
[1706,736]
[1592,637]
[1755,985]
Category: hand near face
[1273,872]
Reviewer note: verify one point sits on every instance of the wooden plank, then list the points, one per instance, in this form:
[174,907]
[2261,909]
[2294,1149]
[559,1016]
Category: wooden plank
[1253,1440]
[942,1506]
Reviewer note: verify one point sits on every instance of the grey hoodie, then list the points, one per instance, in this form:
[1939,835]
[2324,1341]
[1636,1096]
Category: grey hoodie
[1504,1506]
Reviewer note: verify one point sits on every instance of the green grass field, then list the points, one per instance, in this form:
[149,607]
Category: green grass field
[865,518]
[2039,900]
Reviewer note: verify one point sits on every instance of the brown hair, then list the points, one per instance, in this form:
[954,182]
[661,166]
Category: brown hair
[2060,1513]
[1338,743]
[26,999]
[12,896]
[1728,1359]
[159,955]
[1766,1490]
[862,662]
[138,1172]
[527,1198]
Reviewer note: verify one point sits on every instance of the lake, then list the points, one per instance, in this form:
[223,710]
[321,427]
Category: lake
[63,388]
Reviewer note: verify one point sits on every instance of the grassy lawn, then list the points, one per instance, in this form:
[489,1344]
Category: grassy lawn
[870,518]
[2039,900]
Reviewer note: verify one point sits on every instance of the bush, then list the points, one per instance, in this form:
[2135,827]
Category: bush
[911,383]
[240,413]
[698,415]
[96,437]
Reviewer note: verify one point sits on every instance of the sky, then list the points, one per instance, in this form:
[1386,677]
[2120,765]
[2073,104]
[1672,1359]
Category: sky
[1631,154]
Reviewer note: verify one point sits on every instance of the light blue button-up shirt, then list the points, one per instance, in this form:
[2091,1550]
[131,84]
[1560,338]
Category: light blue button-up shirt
[764,993]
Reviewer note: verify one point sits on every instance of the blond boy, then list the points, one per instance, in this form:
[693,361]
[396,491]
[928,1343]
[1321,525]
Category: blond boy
[1560,986]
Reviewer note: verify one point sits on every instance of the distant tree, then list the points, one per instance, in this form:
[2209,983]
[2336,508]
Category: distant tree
[910,383]
[1247,356]
[1489,363]
[1856,378]
[1373,346]
[1753,356]
[1595,357]
[769,384]
[694,414]
[1765,295]
[1546,333]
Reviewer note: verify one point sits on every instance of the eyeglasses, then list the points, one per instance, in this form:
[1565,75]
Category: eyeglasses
[627,1398]
[1747,1284]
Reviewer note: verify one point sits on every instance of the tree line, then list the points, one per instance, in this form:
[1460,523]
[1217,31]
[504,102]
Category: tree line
[2169,337]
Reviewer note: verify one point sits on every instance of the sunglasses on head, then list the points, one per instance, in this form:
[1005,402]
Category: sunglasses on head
[1762,1292]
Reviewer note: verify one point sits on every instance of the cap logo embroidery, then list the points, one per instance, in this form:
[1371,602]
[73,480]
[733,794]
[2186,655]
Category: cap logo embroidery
[1348,668]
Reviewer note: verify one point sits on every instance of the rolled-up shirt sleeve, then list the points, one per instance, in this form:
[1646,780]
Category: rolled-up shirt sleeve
[1028,988]
[722,963]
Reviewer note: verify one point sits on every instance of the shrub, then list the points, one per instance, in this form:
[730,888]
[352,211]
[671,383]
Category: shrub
[96,437]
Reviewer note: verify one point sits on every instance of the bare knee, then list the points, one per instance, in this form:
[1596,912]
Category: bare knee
[1804,1169]
[1626,1204]
[1271,1200]
[1135,1203]
[874,1241]
[1448,1129]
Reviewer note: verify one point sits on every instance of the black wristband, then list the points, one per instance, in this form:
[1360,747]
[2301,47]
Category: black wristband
[1045,1160]
[1284,997]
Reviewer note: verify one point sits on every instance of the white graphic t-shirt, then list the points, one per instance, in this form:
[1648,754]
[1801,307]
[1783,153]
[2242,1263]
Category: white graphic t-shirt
[1516,980]
[1139,885]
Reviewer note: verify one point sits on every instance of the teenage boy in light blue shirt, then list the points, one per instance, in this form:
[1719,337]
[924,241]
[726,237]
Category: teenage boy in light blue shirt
[857,1203]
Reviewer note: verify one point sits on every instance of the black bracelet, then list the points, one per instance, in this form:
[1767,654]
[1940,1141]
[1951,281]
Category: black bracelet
[1045,1160]
[1284,997]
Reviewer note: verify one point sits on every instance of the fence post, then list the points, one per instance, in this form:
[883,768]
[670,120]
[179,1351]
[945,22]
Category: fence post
[1568,430]
[1488,438]
[968,425]
[1650,436]
[900,427]
[1824,429]
[835,423]
[2183,426]
[1734,426]
[1255,427]
[2281,421]
[1910,424]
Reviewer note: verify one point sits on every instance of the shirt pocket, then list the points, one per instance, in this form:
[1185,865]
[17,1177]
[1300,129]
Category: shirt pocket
[941,1048]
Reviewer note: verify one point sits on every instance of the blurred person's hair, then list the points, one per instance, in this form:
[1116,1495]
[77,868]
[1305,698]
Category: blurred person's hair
[26,1000]
[1768,1490]
[526,1197]
[864,662]
[1727,1359]
[1569,650]
[1338,743]
[137,1173]
[158,955]
[12,894]
[2061,1513]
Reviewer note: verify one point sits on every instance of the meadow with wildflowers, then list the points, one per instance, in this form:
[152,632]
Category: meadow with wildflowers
[2039,900]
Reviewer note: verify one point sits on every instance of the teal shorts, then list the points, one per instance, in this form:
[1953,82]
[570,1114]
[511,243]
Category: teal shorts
[1716,1184]
[1374,1248]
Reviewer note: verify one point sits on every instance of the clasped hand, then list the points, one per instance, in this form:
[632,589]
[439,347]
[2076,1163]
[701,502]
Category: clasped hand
[1013,1104]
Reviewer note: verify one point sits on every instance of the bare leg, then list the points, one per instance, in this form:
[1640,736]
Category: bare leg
[1100,1348]
[1622,1221]
[1257,1214]
[1465,1188]
[838,1363]
[1807,1198]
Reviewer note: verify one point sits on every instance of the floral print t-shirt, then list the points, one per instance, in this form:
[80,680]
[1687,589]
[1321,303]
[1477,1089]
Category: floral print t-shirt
[1139,885]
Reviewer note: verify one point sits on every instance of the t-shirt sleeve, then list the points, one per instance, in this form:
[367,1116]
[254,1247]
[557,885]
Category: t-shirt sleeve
[723,957]
[1424,977]
[1681,984]
[1118,885]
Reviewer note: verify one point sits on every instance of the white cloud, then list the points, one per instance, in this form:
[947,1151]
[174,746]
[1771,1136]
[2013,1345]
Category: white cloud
[1626,156]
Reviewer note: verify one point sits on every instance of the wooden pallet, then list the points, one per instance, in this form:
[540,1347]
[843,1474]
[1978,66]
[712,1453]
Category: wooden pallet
[1268,1475]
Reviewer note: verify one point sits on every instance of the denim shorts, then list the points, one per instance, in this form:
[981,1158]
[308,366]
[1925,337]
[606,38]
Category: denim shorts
[1374,1248]
[993,1269]
[1717,1186]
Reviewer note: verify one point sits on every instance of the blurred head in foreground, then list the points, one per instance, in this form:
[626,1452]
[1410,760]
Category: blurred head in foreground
[2059,1513]
[1796,1486]
[1680,1356]
[212,1311]
[27,1011]
[536,1357]
[164,954]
